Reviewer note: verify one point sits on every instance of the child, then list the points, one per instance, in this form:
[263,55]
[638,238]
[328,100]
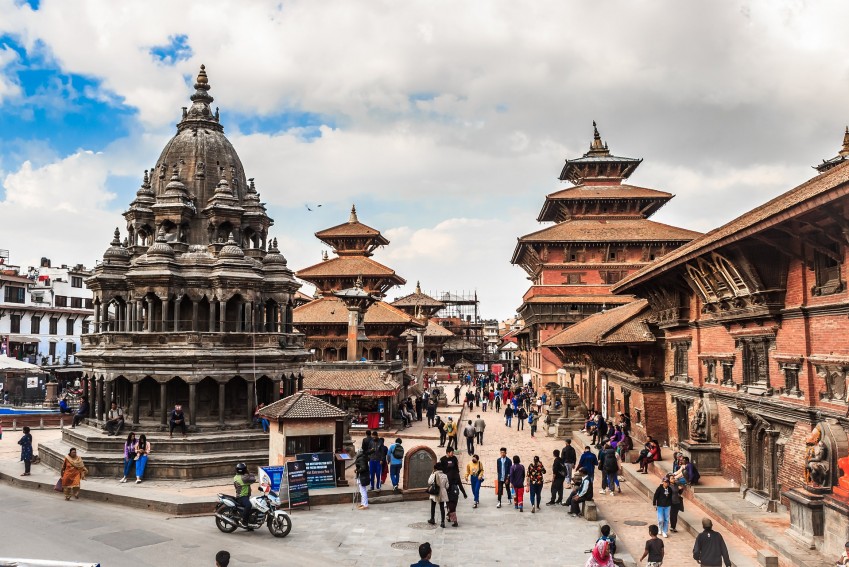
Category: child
[610,539]
[654,548]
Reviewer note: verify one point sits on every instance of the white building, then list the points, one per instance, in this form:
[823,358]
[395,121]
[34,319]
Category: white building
[44,313]
[490,335]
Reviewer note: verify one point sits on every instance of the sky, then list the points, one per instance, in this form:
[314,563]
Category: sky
[446,122]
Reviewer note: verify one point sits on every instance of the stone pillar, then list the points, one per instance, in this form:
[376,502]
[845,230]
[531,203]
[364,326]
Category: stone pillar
[212,316]
[195,306]
[149,302]
[92,394]
[107,396]
[260,317]
[131,306]
[96,317]
[353,328]
[163,409]
[222,313]
[99,401]
[249,316]
[176,325]
[275,394]
[135,403]
[221,392]
[410,366]
[251,397]
[165,305]
[193,402]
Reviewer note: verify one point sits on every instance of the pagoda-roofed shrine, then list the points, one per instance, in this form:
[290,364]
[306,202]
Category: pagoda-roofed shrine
[602,233]
[423,307]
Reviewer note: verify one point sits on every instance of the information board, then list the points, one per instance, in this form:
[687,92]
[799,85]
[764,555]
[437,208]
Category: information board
[321,472]
[296,477]
[273,476]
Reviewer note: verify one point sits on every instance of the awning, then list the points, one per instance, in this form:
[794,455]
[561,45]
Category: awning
[24,339]
[7,363]
[68,369]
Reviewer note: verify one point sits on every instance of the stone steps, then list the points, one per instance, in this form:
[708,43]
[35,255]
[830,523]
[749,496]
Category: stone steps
[93,440]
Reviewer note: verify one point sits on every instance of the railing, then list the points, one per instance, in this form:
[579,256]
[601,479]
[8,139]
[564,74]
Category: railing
[145,339]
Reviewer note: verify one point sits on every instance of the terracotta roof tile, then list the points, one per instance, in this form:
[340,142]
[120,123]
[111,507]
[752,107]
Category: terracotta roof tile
[417,300]
[757,220]
[353,381]
[432,330]
[618,325]
[610,230]
[348,266]
[301,405]
[608,192]
[348,229]
[331,310]
[612,299]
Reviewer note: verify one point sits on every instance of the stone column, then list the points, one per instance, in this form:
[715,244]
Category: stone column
[353,330]
[135,403]
[92,394]
[249,316]
[251,397]
[193,402]
[211,316]
[176,326]
[275,394]
[98,402]
[165,305]
[260,317]
[222,313]
[149,302]
[410,354]
[163,409]
[107,396]
[195,306]
[221,392]
[96,317]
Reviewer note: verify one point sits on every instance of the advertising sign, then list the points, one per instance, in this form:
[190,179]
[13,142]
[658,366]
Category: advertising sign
[272,476]
[296,477]
[32,382]
[320,470]
[480,367]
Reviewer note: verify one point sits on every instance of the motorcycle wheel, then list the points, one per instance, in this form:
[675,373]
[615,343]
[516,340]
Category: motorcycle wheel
[230,513]
[279,526]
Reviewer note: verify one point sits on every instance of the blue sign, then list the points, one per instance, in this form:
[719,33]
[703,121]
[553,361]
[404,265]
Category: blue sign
[321,472]
[273,475]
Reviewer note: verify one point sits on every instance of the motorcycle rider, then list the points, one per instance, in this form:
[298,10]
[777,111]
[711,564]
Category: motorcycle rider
[242,481]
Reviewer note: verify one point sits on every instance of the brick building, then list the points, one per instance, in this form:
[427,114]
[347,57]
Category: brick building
[602,233]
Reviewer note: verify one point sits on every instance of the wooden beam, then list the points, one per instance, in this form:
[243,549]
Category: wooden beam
[807,241]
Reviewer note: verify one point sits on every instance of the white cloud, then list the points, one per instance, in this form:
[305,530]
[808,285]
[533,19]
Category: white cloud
[9,87]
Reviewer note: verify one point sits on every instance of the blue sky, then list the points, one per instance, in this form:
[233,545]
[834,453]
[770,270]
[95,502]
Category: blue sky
[447,124]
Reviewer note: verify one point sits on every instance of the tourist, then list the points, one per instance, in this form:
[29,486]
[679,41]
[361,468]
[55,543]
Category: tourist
[536,478]
[600,433]
[430,412]
[368,444]
[624,446]
[114,419]
[177,419]
[396,460]
[129,454]
[82,412]
[584,492]
[533,418]
[142,451]
[440,425]
[687,472]
[558,470]
[844,557]
[496,400]
[242,482]
[469,434]
[625,423]
[222,559]
[64,407]
[521,416]
[451,467]
[484,400]
[375,462]
[259,420]
[517,481]
[425,554]
[710,550]
[73,472]
[600,555]
[474,474]
[508,415]
[677,504]
[418,405]
[457,394]
[361,470]
[451,433]
[609,538]
[653,549]
[609,468]
[438,478]
[588,462]
[502,467]
[652,454]
[26,451]
[480,426]
[570,460]
[662,501]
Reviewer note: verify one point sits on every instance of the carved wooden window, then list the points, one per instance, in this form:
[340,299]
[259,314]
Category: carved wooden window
[756,360]
[576,256]
[574,278]
[828,272]
[54,326]
[710,366]
[612,276]
[680,350]
[727,373]
[35,325]
[15,323]
[731,275]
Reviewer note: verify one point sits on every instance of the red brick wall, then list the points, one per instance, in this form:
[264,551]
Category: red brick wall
[731,454]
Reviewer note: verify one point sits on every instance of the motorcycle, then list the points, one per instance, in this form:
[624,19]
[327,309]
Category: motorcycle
[264,510]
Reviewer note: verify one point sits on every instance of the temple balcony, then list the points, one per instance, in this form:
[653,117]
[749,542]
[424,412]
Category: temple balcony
[198,339]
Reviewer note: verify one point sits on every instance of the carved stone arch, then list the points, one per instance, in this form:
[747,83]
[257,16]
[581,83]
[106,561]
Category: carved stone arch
[734,279]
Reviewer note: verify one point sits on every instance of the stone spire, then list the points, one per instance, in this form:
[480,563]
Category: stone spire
[418,287]
[841,156]
[844,151]
[353,218]
[597,147]
[200,113]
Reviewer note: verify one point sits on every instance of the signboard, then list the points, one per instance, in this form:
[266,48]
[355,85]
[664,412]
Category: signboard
[296,477]
[32,382]
[480,367]
[321,472]
[272,476]
[497,369]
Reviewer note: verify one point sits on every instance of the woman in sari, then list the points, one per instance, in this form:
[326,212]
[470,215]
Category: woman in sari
[129,454]
[73,471]
[600,556]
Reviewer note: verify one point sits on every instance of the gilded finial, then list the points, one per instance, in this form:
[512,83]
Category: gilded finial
[418,287]
[324,256]
[844,151]
[202,78]
[597,146]
[353,218]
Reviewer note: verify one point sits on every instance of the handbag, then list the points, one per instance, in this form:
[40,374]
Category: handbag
[433,489]
[58,486]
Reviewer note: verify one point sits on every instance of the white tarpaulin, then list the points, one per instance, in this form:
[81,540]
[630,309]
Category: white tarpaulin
[7,363]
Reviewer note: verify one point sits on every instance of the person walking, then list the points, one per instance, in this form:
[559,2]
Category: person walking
[709,549]
[129,455]
[480,425]
[484,400]
[521,416]
[588,462]
[609,469]
[677,504]
[517,481]
[654,549]
[361,470]
[374,463]
[396,460]
[440,425]
[73,472]
[533,418]
[469,434]
[508,415]
[497,402]
[451,432]
[502,476]
[142,451]
[451,466]
[570,459]
[431,412]
[440,480]
[558,470]
[457,394]
[536,478]
[474,474]
[26,451]
[662,500]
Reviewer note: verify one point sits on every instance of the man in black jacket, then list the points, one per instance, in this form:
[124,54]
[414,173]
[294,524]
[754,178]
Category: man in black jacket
[451,468]
[559,472]
[570,459]
[710,550]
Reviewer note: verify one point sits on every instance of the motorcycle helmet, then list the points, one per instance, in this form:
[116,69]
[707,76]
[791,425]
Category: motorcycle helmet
[241,468]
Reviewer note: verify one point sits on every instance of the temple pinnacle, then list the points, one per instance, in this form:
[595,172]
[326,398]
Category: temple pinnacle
[353,218]
[844,151]
[202,78]
[418,287]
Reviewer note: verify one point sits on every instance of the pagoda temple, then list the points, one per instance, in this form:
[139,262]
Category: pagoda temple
[601,233]
[433,337]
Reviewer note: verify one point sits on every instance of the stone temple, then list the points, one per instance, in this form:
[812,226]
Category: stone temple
[194,307]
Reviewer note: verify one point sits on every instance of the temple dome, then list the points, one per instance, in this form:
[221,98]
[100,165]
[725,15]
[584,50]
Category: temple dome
[231,250]
[116,252]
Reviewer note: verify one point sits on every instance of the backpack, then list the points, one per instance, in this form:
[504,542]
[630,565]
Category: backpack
[530,419]
[398,451]
[610,463]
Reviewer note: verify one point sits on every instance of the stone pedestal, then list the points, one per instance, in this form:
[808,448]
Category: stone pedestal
[704,455]
[806,517]
[567,425]
[51,398]
[836,524]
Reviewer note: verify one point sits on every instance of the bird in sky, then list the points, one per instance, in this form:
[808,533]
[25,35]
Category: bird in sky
[309,209]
